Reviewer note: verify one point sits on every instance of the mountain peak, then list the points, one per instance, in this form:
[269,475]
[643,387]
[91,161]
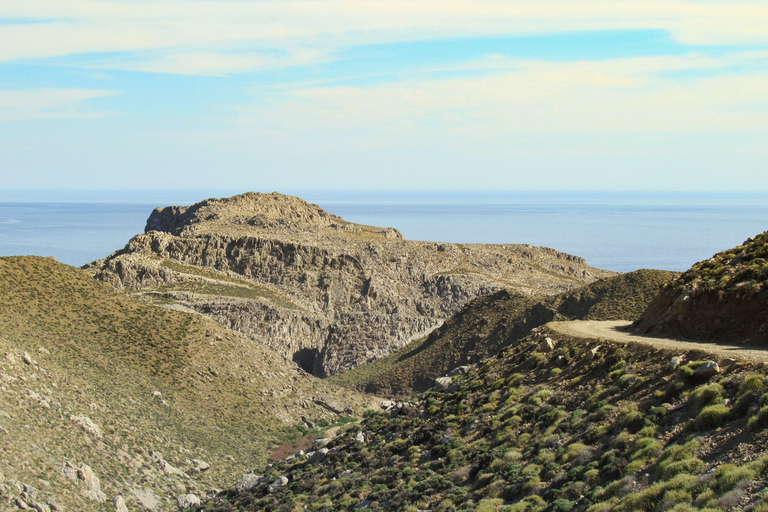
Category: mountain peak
[254,212]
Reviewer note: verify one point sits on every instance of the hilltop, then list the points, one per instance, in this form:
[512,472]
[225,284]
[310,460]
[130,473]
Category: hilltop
[326,293]
[487,324]
[154,403]
[720,299]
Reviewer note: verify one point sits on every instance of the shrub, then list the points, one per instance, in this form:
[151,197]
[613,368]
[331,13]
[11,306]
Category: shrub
[728,476]
[708,394]
[712,416]
[561,505]
[752,383]
[490,505]
[759,420]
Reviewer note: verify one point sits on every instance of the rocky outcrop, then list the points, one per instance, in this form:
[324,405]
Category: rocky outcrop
[324,292]
[721,299]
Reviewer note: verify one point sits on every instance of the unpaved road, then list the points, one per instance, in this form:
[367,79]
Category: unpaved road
[612,331]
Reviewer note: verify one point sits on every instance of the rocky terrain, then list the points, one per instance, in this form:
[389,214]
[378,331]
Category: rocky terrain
[720,299]
[488,324]
[326,293]
[110,403]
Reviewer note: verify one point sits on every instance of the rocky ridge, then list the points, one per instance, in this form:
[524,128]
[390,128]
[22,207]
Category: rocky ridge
[328,294]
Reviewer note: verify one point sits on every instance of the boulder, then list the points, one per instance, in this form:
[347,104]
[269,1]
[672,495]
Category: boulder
[707,370]
[119,504]
[443,383]
[360,438]
[247,482]
[318,456]
[547,345]
[186,501]
[676,361]
[278,484]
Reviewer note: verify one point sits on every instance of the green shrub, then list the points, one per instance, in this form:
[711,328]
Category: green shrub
[561,505]
[728,476]
[712,416]
[490,505]
[759,420]
[708,394]
[752,383]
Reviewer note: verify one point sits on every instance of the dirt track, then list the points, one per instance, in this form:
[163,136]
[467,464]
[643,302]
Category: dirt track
[612,331]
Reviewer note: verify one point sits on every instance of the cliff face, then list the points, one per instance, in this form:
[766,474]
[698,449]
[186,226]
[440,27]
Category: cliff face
[327,293]
[723,299]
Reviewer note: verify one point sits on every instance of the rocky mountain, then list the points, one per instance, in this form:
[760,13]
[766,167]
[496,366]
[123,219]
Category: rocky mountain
[108,402]
[326,293]
[582,425]
[724,299]
[488,324]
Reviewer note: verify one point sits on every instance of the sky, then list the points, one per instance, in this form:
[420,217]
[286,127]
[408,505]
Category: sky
[384,95]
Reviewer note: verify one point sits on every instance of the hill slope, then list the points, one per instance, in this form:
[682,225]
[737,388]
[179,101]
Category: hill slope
[724,299]
[487,324]
[138,393]
[583,427]
[326,293]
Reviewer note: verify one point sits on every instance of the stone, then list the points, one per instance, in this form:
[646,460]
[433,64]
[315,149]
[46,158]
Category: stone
[119,504]
[186,501]
[443,383]
[360,438]
[55,505]
[278,484]
[247,482]
[21,504]
[319,443]
[707,370]
[726,362]
[87,424]
[200,466]
[387,404]
[91,484]
[40,507]
[593,352]
[676,361]
[547,345]
[318,456]
[26,358]
[157,396]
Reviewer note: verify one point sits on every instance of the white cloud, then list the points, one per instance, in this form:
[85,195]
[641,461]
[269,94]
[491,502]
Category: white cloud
[45,103]
[633,95]
[184,28]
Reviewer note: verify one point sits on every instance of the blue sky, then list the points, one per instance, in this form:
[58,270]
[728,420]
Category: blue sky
[380,94]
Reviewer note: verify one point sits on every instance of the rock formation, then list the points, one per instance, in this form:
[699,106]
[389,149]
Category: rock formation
[326,293]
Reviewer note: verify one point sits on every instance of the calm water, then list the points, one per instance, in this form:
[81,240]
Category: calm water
[621,232]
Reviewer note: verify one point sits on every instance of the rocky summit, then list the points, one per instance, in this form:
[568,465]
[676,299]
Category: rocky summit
[328,294]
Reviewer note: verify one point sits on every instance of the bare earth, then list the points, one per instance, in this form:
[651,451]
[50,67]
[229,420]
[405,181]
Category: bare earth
[613,330]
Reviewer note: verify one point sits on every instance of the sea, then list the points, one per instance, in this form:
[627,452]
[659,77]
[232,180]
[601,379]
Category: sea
[618,231]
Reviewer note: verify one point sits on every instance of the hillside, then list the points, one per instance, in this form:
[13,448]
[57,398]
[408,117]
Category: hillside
[326,293]
[723,299]
[155,403]
[487,324]
[583,425]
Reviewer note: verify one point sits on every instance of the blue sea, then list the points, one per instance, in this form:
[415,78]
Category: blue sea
[614,231]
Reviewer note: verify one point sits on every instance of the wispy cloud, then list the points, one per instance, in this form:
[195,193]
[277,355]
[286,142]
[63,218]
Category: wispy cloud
[634,95]
[45,103]
[58,28]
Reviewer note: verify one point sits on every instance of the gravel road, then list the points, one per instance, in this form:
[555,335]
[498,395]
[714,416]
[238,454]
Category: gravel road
[614,330]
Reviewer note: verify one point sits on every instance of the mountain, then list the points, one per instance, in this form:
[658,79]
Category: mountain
[323,292]
[487,324]
[105,396]
[723,299]
[582,425]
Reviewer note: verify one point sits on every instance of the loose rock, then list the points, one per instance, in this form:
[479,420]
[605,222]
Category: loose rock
[707,370]
[186,501]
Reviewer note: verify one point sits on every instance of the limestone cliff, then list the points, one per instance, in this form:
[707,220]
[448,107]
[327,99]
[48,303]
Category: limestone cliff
[327,293]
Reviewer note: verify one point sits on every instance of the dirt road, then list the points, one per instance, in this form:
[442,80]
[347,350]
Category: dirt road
[613,331]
